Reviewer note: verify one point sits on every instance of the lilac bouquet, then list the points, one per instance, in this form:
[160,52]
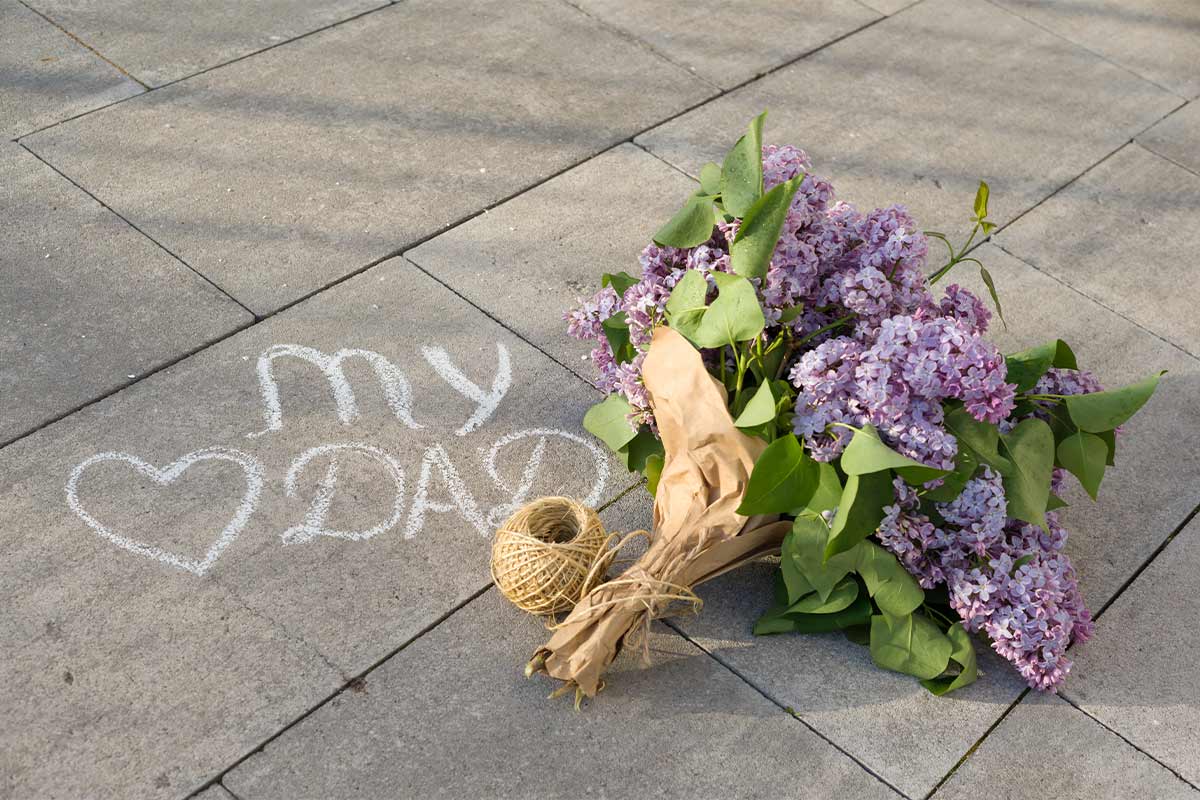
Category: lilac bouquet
[920,465]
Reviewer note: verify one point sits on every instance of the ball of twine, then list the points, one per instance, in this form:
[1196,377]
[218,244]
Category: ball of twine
[549,554]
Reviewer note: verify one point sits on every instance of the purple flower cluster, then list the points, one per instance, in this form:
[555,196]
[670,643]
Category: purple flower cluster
[1006,578]
[896,375]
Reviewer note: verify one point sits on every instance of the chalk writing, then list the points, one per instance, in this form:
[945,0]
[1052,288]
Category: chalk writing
[395,385]
[314,523]
[461,499]
[487,402]
[520,495]
[167,475]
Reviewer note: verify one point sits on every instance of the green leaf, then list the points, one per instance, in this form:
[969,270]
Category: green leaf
[640,448]
[710,179]
[794,583]
[860,510]
[810,537]
[692,225]
[616,330]
[653,471]
[1027,366]
[981,200]
[619,281]
[1030,450]
[1110,441]
[894,589]
[783,478]
[911,644]
[777,620]
[791,313]
[760,410]
[988,282]
[859,634]
[965,466]
[686,306]
[1055,502]
[845,593]
[963,654]
[735,316]
[829,489]
[741,174]
[981,438]
[752,248]
[1102,411]
[867,453]
[608,421]
[1084,455]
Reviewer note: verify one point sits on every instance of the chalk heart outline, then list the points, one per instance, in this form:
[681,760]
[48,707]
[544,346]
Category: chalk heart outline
[165,476]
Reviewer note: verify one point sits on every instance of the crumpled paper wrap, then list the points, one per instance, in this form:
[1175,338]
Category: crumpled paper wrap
[697,534]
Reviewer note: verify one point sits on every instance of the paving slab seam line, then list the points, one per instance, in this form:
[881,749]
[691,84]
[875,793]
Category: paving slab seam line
[971,750]
[1127,741]
[348,685]
[232,794]
[190,75]
[1000,246]
[786,709]
[1149,559]
[157,243]
[1085,48]
[639,42]
[88,47]
[1166,158]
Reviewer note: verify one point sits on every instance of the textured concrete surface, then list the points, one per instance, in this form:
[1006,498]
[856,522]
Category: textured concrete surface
[662,726]
[87,304]
[832,685]
[135,668]
[46,77]
[1177,137]
[528,261]
[1156,39]
[1046,748]
[274,176]
[166,41]
[208,559]
[890,115]
[728,44]
[1153,486]
[1125,234]
[1139,675]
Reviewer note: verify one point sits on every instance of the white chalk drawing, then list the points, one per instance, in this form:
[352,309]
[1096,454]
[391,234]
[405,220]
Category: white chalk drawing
[395,385]
[254,480]
[486,402]
[520,495]
[315,520]
[461,500]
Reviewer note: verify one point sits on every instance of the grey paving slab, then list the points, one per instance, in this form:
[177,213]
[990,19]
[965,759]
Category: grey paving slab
[889,7]
[1177,137]
[452,716]
[157,549]
[215,792]
[1153,486]
[729,44]
[531,259]
[919,107]
[1139,675]
[279,174]
[166,41]
[1046,748]
[86,302]
[46,77]
[1157,39]
[885,720]
[1125,233]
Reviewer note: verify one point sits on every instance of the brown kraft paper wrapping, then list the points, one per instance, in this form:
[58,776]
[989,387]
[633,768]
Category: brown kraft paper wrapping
[697,534]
